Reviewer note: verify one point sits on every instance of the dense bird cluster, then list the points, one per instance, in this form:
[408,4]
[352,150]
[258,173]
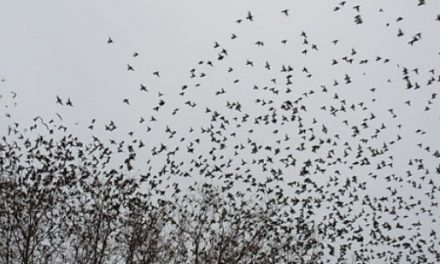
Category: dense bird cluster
[325,129]
[63,203]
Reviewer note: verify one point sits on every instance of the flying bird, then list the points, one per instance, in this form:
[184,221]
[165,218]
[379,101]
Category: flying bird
[249,16]
[59,100]
[285,12]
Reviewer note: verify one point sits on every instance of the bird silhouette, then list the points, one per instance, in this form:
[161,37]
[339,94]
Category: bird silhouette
[285,12]
[249,16]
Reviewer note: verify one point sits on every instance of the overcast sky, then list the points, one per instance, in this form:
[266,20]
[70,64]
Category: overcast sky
[52,48]
[59,48]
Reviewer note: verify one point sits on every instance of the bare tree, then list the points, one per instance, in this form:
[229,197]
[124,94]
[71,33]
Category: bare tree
[32,192]
[61,202]
[217,227]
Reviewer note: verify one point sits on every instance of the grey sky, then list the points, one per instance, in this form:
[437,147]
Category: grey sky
[59,47]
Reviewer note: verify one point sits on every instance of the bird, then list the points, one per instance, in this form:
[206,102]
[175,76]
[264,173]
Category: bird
[285,12]
[59,100]
[249,16]
[267,65]
[143,88]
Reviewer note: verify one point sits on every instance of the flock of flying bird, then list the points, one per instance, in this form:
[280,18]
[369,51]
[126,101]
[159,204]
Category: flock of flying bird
[270,127]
